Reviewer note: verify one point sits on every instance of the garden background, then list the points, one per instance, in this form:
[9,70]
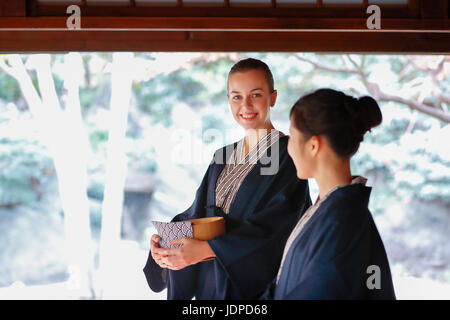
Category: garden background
[94,146]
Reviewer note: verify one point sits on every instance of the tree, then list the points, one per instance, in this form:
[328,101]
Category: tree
[116,167]
[63,132]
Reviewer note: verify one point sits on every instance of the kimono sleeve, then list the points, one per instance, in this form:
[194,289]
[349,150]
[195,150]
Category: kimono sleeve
[157,277]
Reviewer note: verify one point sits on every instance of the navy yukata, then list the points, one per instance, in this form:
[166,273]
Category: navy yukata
[335,254]
[260,218]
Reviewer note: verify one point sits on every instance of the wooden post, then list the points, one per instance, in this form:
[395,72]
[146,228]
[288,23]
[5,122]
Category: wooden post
[13,8]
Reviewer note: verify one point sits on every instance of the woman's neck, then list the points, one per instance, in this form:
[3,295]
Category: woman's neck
[253,136]
[331,173]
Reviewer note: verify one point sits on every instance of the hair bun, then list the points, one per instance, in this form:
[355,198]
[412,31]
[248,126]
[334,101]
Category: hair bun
[365,114]
[369,115]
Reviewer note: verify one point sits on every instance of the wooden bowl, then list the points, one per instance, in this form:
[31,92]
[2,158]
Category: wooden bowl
[208,228]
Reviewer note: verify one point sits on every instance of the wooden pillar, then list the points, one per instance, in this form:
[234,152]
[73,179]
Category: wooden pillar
[13,8]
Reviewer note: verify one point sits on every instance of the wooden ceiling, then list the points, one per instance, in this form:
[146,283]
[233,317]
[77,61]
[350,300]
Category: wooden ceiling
[407,26]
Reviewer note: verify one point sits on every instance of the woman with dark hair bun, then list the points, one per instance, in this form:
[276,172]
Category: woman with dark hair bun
[335,250]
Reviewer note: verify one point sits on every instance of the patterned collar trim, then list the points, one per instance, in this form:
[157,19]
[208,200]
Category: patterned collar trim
[264,143]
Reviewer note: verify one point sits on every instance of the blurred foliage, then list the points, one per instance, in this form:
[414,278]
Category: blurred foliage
[140,157]
[24,165]
[9,90]
[98,137]
[157,96]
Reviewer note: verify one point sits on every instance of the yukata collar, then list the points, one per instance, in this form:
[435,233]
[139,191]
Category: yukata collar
[254,154]
[355,179]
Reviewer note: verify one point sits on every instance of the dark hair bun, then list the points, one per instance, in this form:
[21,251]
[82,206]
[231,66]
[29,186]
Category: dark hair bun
[369,115]
[365,114]
[343,119]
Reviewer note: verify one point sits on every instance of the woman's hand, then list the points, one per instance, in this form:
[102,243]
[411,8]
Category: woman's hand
[154,246]
[191,252]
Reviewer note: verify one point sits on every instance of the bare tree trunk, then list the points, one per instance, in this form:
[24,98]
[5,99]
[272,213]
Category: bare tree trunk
[63,132]
[77,223]
[116,169]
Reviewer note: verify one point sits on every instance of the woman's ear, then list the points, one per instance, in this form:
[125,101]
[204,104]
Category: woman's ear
[314,145]
[273,98]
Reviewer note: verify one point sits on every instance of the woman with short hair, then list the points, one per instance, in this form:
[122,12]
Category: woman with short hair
[252,184]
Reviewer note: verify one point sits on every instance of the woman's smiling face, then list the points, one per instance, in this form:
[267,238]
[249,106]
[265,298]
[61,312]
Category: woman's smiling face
[250,99]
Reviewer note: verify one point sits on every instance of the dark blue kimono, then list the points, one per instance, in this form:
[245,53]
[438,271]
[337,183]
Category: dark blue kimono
[260,219]
[333,257]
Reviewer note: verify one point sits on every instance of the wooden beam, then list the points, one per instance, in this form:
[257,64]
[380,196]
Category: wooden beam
[332,42]
[227,24]
[13,8]
[414,8]
[437,9]
[179,11]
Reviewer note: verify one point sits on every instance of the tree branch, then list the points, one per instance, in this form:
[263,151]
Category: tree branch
[445,98]
[377,94]
[46,83]
[19,73]
[413,104]
[433,73]
[10,71]
[324,67]
[430,71]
